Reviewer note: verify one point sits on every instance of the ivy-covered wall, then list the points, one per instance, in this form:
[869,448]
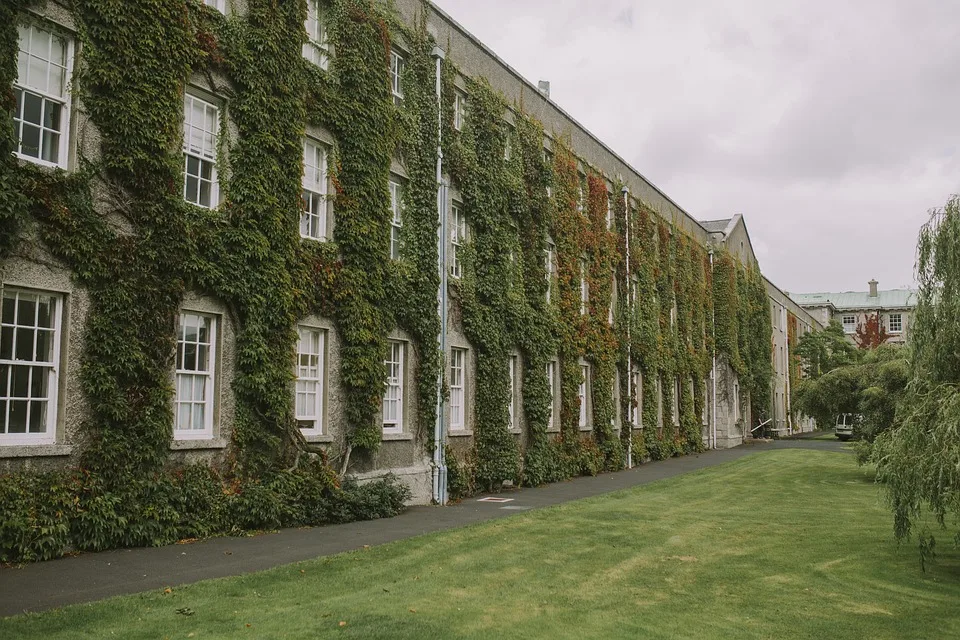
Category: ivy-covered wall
[118,224]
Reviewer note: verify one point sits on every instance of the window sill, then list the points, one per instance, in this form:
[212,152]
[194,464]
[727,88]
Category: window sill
[387,437]
[585,428]
[515,432]
[460,433]
[35,450]
[190,445]
[319,438]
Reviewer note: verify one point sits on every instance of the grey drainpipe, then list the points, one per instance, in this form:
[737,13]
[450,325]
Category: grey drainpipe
[712,438]
[439,472]
[629,291]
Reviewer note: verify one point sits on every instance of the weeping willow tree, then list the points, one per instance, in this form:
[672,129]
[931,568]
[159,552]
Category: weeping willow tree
[919,460]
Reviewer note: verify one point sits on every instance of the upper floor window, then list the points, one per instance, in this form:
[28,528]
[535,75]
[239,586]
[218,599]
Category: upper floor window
[397,65]
[396,220]
[41,115]
[201,124]
[195,378]
[609,211]
[219,5]
[458,235]
[393,394]
[317,47]
[29,357]
[581,200]
[507,142]
[895,323]
[459,109]
[849,324]
[458,359]
[313,221]
[310,373]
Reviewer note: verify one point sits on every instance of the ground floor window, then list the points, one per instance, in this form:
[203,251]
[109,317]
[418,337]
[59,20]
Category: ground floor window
[196,347]
[29,357]
[393,394]
[310,379]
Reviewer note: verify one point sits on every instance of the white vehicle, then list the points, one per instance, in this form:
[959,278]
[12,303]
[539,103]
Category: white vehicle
[844,426]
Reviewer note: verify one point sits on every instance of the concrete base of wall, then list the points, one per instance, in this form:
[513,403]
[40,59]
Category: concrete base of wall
[729,443]
[418,479]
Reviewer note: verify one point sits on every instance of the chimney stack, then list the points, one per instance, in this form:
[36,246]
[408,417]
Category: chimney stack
[873,288]
[544,87]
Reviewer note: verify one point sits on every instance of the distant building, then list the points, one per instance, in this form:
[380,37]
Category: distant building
[852,308]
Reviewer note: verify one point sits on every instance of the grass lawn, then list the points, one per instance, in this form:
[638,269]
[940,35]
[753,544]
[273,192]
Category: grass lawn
[792,543]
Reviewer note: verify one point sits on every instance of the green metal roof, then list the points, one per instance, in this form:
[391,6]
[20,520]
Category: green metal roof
[891,299]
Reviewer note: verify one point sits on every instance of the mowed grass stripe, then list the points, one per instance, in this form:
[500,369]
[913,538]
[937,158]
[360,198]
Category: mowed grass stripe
[792,543]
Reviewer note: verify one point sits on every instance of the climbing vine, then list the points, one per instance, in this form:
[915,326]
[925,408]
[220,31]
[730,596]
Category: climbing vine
[139,249]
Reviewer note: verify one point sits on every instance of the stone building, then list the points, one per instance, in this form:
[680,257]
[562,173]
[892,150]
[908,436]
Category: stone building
[279,266]
[852,309]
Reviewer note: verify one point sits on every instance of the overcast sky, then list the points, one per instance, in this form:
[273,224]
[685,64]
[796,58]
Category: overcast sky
[833,127]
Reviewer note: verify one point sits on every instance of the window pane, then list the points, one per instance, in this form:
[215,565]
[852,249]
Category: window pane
[51,115]
[17,417]
[20,382]
[9,302]
[51,147]
[38,416]
[24,346]
[6,344]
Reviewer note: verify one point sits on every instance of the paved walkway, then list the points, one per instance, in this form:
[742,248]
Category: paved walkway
[93,576]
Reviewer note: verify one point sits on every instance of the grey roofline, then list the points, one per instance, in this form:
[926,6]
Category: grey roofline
[456,25]
[809,315]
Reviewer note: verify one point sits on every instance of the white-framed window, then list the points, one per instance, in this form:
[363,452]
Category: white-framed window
[396,221]
[849,324]
[41,115]
[458,396]
[514,371]
[636,405]
[397,66]
[549,257]
[552,385]
[584,287]
[393,394]
[201,123]
[583,396]
[458,235]
[736,401]
[29,366]
[310,382]
[219,5]
[609,211]
[196,370]
[705,414]
[581,200]
[673,312]
[895,323]
[317,47]
[314,220]
[675,409]
[613,300]
[459,109]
